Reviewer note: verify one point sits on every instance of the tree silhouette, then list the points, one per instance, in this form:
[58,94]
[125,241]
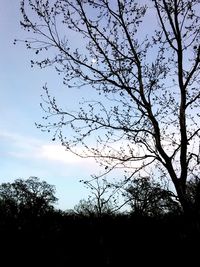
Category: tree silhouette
[147,197]
[193,193]
[101,201]
[27,197]
[146,78]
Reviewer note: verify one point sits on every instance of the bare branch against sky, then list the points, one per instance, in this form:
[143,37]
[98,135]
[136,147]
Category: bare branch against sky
[141,111]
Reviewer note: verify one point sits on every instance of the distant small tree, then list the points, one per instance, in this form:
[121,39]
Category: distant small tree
[147,197]
[30,196]
[100,201]
[85,208]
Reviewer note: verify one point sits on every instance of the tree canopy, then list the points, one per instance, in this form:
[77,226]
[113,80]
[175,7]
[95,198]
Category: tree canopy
[31,197]
[146,113]
[147,197]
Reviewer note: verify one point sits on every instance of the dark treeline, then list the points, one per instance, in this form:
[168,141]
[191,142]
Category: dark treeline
[68,240]
[34,233]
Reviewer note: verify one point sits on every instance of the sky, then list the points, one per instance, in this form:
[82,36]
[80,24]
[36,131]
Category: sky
[24,150]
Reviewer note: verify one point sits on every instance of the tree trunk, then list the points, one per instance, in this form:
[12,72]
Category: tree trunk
[186,203]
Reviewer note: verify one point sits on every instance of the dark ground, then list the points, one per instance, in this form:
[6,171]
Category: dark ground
[68,240]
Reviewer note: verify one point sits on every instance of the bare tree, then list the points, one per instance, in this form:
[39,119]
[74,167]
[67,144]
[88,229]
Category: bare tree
[147,79]
[101,200]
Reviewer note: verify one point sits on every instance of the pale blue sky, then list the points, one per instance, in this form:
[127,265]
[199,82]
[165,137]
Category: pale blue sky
[24,150]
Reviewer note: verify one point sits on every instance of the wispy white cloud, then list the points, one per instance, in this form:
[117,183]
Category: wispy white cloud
[19,140]
[58,153]
[26,147]
[23,156]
